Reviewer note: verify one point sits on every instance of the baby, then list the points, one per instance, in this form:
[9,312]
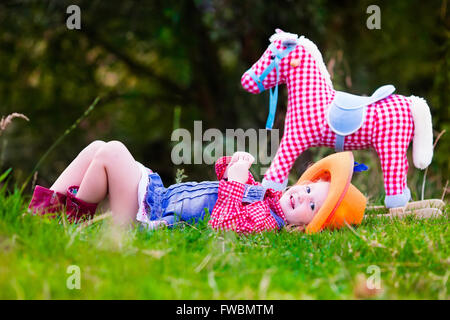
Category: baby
[137,194]
[273,210]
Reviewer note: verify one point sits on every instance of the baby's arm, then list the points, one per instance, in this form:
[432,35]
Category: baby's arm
[228,213]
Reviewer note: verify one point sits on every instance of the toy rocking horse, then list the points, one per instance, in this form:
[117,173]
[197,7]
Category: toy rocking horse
[318,115]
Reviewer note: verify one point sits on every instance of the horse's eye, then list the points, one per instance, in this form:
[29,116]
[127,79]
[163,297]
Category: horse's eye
[272,57]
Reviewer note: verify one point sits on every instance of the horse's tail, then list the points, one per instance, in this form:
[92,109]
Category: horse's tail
[423,133]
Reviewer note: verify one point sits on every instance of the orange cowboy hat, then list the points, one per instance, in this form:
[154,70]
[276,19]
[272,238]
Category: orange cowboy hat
[344,203]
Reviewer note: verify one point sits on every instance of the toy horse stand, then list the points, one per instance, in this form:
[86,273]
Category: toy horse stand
[318,115]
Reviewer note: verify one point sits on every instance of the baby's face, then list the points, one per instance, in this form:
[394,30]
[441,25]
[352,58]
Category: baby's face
[301,202]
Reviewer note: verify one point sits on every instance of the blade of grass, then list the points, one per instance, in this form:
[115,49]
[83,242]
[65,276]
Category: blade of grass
[58,141]
[445,191]
[5,174]
[94,220]
[426,170]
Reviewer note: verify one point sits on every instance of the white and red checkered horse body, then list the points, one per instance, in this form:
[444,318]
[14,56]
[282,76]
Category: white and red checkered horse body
[388,124]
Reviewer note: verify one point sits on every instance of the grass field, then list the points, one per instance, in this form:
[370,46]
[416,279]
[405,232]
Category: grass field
[411,257]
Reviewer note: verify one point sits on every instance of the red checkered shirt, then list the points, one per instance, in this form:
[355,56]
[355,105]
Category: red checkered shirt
[230,213]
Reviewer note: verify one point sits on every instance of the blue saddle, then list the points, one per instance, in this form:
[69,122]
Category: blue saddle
[347,112]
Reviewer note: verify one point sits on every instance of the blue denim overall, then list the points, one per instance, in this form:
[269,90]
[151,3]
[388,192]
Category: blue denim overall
[188,201]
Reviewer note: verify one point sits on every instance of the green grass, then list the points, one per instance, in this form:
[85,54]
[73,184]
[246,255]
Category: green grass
[198,263]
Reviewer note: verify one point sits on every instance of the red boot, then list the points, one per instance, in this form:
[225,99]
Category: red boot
[46,201]
[77,209]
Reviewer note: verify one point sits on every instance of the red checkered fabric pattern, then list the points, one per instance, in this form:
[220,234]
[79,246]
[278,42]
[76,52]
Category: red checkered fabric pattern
[230,213]
[388,128]
[388,125]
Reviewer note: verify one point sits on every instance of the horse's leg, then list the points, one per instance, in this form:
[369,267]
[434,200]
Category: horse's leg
[291,146]
[394,164]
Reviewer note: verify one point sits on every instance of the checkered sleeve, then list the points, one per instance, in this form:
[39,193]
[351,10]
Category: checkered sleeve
[228,213]
[221,166]
[260,218]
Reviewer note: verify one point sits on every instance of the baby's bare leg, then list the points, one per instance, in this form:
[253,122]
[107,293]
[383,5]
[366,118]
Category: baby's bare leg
[74,173]
[113,171]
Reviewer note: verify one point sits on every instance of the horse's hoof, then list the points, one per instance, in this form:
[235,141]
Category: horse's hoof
[398,200]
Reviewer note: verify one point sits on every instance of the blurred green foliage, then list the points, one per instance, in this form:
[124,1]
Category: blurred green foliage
[146,59]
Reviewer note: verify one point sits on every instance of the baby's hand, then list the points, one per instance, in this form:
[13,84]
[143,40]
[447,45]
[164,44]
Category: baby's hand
[238,167]
[243,156]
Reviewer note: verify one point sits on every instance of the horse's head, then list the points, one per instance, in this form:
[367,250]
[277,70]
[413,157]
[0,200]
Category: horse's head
[270,69]
[285,53]
[287,57]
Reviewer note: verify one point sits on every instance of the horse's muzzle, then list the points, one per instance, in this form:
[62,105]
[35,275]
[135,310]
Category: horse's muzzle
[249,84]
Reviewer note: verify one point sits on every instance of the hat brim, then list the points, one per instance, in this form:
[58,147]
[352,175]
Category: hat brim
[338,170]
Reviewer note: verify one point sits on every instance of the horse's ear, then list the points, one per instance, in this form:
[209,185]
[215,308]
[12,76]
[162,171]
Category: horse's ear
[289,42]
